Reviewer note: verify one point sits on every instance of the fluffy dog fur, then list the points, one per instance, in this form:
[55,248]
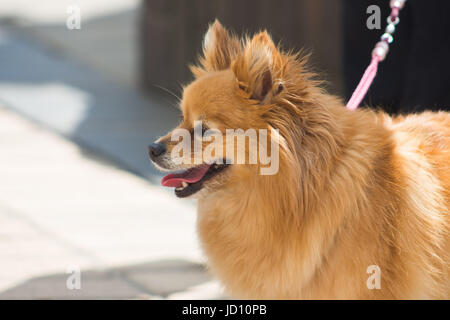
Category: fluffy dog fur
[354,188]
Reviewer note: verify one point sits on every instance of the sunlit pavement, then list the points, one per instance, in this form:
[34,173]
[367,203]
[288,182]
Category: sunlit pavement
[77,191]
[62,207]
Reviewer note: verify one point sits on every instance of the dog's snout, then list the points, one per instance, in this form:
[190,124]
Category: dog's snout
[156,149]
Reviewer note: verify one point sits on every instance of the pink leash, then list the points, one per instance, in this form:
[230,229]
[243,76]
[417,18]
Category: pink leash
[378,54]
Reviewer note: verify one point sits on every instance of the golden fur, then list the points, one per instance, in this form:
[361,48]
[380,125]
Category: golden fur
[354,188]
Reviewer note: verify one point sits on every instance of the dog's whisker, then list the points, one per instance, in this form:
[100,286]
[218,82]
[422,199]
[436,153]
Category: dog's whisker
[168,91]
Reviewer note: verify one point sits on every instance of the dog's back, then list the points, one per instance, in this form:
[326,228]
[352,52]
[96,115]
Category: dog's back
[422,149]
[427,135]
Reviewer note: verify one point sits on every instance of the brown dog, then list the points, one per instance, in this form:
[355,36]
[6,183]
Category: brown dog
[358,194]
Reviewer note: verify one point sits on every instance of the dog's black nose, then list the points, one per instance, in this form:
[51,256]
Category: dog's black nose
[156,149]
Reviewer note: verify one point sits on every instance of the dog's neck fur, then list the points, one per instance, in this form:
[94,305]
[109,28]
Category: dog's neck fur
[319,153]
[347,179]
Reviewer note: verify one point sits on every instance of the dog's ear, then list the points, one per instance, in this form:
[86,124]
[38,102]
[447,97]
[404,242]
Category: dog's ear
[219,49]
[259,68]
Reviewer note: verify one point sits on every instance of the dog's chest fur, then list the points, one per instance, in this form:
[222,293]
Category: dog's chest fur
[390,211]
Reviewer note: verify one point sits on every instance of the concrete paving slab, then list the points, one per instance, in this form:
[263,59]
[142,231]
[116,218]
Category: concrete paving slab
[78,103]
[168,277]
[106,42]
[62,206]
[94,285]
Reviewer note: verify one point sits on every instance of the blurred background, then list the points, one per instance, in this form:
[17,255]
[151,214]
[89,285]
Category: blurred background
[78,108]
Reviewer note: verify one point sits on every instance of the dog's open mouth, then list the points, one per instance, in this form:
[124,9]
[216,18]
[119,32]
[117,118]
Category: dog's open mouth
[189,181]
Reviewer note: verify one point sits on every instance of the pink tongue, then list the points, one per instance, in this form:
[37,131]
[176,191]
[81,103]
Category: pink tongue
[190,176]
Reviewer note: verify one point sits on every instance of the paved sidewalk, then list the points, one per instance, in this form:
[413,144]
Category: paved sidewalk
[107,41]
[76,187]
[76,101]
[62,207]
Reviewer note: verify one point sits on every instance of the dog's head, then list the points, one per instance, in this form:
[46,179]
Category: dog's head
[240,84]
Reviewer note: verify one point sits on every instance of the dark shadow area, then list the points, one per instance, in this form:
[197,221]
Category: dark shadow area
[172,32]
[148,280]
